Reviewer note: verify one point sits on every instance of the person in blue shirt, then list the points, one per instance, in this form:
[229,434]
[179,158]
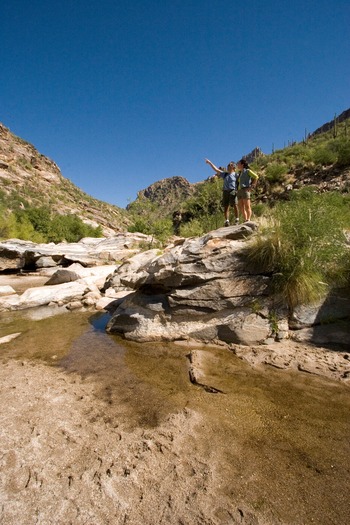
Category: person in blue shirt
[229,191]
[247,180]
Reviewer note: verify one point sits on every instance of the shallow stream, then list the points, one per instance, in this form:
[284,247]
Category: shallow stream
[282,438]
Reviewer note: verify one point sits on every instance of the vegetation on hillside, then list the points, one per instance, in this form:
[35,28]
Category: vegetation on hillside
[29,180]
[329,149]
[306,162]
[146,219]
[302,204]
[42,225]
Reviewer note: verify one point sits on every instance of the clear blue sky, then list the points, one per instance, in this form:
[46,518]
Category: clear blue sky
[123,93]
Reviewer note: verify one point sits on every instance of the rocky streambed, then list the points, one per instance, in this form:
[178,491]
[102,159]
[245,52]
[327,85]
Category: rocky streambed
[95,429]
[201,413]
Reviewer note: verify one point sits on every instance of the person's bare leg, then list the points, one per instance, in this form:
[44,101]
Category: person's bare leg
[227,213]
[243,205]
[249,210]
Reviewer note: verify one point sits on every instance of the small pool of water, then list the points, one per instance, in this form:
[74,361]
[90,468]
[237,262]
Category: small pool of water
[99,321]
[293,430]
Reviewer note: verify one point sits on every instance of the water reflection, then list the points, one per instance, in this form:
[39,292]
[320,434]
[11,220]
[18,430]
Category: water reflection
[99,321]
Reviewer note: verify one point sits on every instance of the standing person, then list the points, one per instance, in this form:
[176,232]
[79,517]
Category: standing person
[177,218]
[229,192]
[247,179]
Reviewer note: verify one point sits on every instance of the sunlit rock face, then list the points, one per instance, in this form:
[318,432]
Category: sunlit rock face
[16,254]
[200,288]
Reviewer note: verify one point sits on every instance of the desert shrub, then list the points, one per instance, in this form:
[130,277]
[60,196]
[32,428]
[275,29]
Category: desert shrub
[140,226]
[276,173]
[259,209]
[304,248]
[324,155]
[161,229]
[70,228]
[343,152]
[194,228]
[40,218]
[147,219]
[206,200]
[39,225]
[16,226]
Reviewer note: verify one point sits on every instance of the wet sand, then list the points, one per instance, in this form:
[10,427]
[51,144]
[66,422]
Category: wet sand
[22,281]
[96,430]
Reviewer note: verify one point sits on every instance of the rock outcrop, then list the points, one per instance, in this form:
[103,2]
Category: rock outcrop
[198,289]
[77,273]
[168,193]
[74,288]
[16,254]
[201,289]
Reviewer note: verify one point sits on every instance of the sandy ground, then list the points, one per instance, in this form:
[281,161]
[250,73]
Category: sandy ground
[96,433]
[63,462]
[100,449]
[21,282]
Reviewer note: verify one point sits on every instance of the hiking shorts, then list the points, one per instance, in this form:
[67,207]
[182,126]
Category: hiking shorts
[229,197]
[243,193]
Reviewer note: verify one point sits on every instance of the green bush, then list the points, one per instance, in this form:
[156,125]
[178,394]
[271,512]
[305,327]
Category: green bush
[207,200]
[324,156]
[38,225]
[160,229]
[70,228]
[276,173]
[140,226]
[40,218]
[304,249]
[259,209]
[16,226]
[343,153]
[194,228]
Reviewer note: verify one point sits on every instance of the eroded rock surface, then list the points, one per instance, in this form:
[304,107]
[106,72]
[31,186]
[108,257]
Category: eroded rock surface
[16,254]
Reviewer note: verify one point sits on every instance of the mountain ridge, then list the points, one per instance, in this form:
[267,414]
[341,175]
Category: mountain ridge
[30,179]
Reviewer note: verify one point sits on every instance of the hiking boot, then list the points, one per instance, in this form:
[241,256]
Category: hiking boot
[237,221]
[227,223]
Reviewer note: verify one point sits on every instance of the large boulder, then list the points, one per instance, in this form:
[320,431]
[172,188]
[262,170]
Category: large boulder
[76,271]
[198,289]
[131,273]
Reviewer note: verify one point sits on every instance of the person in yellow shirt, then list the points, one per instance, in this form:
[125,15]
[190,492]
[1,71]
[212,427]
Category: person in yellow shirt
[247,180]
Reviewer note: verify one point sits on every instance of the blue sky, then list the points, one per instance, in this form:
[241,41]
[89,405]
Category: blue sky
[121,94]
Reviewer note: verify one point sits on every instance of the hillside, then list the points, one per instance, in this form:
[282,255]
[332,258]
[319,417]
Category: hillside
[30,179]
[322,160]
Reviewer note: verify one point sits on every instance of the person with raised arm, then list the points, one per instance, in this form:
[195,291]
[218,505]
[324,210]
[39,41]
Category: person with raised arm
[229,190]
